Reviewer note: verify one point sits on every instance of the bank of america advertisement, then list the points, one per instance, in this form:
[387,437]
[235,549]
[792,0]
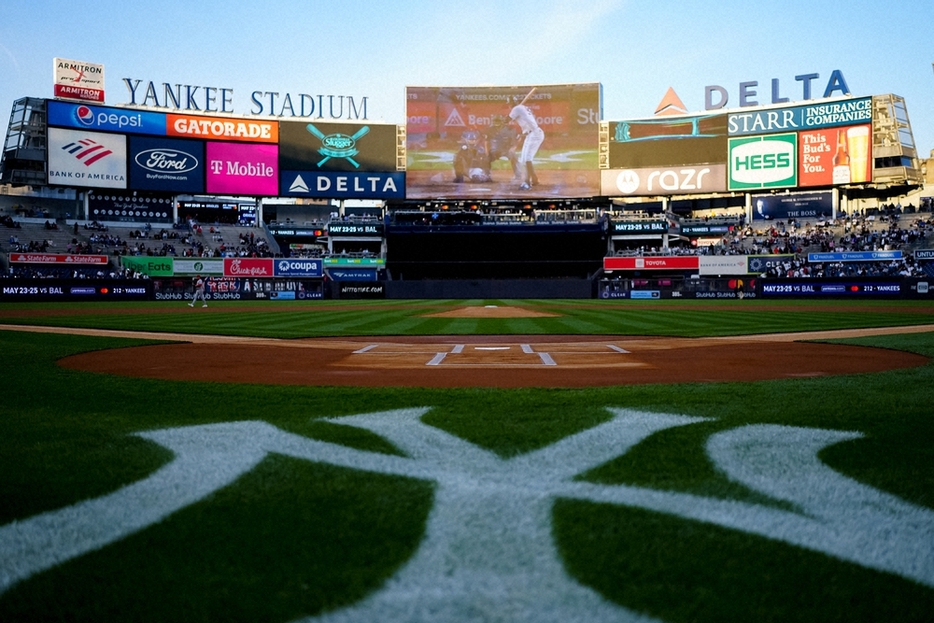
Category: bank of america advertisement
[757,162]
[86,159]
[518,141]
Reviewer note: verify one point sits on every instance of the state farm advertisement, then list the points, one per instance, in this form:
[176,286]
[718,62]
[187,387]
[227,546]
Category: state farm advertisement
[651,263]
[248,267]
[240,169]
[53,258]
[835,156]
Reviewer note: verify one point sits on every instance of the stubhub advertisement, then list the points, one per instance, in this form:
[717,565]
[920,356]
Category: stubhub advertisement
[88,117]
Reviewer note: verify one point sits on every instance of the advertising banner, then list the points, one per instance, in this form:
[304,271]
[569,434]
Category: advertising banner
[75,289]
[351,274]
[166,164]
[152,266]
[248,267]
[240,169]
[199,266]
[86,159]
[356,230]
[671,181]
[763,162]
[500,142]
[814,204]
[78,80]
[222,128]
[856,256]
[854,287]
[55,258]
[667,142]
[298,268]
[322,146]
[759,264]
[924,255]
[820,115]
[351,185]
[835,156]
[356,262]
[706,229]
[102,119]
[673,262]
[723,265]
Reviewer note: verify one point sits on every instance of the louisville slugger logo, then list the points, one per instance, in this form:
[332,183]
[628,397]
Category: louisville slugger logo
[87,151]
[488,538]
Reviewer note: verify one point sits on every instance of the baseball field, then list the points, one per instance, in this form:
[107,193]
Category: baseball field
[468,460]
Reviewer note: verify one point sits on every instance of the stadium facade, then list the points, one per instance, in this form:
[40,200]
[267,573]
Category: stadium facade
[454,201]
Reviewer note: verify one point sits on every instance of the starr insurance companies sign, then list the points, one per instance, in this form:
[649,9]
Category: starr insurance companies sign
[78,80]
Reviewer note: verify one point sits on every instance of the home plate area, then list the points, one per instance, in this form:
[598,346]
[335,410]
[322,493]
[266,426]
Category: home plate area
[520,355]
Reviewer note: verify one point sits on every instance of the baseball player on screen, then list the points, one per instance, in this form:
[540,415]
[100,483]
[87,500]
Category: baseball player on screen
[532,137]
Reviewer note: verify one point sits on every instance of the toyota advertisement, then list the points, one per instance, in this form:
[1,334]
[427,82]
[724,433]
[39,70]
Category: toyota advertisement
[491,142]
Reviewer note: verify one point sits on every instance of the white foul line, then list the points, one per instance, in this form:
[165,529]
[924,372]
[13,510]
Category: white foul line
[618,349]
[365,349]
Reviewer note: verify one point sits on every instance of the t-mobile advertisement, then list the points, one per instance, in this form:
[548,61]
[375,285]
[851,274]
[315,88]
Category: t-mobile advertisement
[239,169]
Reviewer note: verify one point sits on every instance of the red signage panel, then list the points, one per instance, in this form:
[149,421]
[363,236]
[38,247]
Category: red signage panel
[52,258]
[247,267]
[652,263]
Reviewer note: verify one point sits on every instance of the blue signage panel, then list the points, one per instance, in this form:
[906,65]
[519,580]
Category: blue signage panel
[821,115]
[924,254]
[856,256]
[342,185]
[166,164]
[352,274]
[294,267]
[88,117]
[793,205]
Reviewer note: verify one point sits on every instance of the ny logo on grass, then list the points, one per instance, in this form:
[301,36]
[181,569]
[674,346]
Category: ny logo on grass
[488,551]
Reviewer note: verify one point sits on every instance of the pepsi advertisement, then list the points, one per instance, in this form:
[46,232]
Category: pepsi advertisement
[102,119]
[166,164]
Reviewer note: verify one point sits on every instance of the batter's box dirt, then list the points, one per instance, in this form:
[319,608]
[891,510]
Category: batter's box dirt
[589,354]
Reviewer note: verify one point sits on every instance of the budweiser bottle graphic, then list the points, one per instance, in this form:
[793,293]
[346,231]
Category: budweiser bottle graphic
[841,160]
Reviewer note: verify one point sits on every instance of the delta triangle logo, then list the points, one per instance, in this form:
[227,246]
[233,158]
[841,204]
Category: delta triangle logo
[299,185]
[455,119]
[671,104]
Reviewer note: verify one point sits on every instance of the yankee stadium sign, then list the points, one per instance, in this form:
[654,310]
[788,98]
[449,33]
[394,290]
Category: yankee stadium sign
[197,98]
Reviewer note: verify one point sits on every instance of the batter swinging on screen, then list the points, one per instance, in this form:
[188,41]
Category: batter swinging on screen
[532,137]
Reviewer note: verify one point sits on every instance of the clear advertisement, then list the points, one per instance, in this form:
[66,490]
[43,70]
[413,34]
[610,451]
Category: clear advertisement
[793,205]
[322,146]
[102,119]
[668,142]
[242,169]
[680,180]
[166,164]
[763,162]
[78,80]
[835,156]
[501,142]
[86,159]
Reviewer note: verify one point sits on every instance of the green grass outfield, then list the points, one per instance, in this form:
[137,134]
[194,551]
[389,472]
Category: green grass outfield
[300,533]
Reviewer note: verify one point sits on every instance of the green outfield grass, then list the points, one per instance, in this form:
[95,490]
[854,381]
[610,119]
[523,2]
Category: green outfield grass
[292,537]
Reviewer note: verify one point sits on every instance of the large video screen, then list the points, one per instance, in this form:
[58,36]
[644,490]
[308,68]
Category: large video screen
[668,142]
[502,142]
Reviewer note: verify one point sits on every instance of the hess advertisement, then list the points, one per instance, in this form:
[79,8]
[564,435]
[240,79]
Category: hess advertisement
[86,159]
[490,142]
[764,162]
